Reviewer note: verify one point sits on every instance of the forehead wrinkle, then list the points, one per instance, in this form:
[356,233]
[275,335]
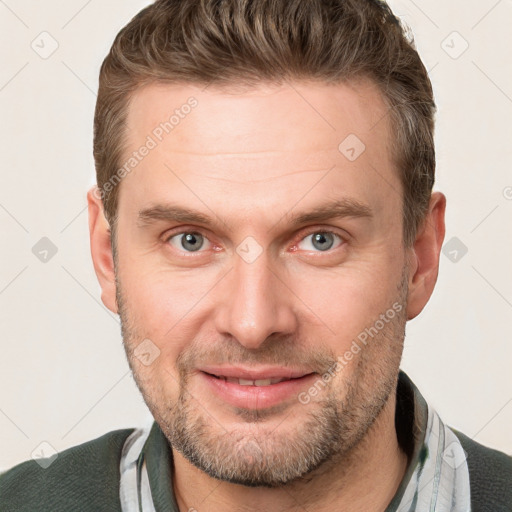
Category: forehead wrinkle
[263,180]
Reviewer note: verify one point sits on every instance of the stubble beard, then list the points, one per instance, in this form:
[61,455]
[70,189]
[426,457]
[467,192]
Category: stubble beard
[260,456]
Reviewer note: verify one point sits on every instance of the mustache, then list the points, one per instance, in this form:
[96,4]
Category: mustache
[278,352]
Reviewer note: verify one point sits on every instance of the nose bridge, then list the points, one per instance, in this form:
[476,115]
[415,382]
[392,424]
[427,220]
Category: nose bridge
[255,304]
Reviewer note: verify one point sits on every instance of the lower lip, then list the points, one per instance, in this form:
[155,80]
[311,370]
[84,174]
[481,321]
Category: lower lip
[256,397]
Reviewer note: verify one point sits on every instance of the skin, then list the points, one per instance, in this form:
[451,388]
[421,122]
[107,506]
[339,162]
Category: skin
[252,160]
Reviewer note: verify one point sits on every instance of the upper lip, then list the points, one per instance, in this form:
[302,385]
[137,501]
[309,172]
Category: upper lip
[269,372]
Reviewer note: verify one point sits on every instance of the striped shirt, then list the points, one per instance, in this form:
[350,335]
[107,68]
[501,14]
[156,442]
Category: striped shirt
[436,479]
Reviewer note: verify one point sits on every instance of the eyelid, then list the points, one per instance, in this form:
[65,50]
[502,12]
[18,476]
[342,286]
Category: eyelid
[310,230]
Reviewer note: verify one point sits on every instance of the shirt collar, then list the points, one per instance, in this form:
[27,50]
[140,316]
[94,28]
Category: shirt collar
[432,449]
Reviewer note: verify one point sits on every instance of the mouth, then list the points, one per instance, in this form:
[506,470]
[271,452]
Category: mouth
[255,388]
[249,382]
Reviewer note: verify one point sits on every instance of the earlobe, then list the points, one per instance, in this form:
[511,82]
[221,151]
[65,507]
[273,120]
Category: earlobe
[101,249]
[424,257]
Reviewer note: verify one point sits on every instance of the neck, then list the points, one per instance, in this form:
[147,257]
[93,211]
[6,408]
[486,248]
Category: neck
[365,479]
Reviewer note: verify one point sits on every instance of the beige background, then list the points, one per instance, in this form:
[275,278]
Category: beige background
[64,378]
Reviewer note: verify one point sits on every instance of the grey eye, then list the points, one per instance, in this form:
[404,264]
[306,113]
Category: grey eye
[188,241]
[321,241]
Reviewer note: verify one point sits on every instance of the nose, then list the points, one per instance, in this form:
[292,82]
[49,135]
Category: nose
[255,303]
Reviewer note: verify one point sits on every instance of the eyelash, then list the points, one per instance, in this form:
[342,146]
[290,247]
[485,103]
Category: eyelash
[343,239]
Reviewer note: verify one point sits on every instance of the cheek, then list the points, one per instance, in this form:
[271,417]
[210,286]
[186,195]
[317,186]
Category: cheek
[164,307]
[344,303]
[160,299]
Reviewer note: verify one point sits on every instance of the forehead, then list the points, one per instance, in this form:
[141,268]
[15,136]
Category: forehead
[267,143]
[248,119]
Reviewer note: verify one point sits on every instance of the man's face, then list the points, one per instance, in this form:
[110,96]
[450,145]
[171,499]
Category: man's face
[256,292]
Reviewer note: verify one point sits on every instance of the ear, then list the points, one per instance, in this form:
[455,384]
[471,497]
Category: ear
[101,249]
[424,256]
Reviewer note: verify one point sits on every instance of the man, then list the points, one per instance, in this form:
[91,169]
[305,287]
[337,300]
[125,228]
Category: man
[264,224]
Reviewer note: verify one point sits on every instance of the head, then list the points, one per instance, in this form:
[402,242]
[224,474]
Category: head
[264,206]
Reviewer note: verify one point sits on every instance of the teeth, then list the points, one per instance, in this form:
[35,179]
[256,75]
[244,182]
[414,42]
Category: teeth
[263,382]
[248,382]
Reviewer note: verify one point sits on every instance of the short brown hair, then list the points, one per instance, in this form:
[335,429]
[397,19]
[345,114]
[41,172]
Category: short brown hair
[247,42]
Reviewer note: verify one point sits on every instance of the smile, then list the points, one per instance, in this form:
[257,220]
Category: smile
[255,388]
[248,382]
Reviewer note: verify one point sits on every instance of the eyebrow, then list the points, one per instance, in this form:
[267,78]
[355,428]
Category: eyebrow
[337,209]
